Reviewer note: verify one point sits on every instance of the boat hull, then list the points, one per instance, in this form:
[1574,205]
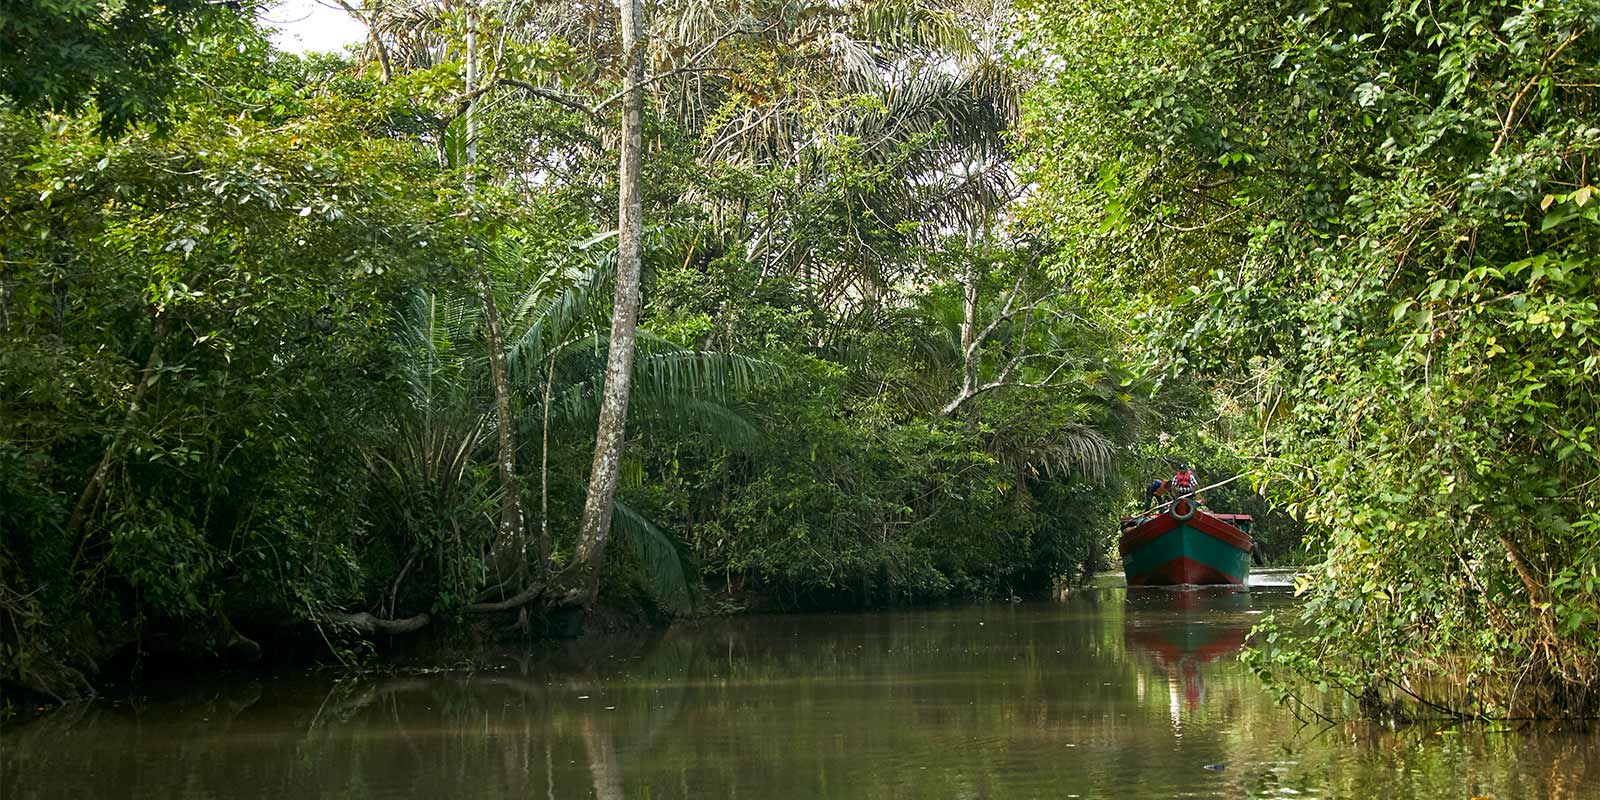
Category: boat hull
[1204,550]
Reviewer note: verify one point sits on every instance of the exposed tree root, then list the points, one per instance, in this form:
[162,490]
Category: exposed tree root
[517,600]
[366,623]
[372,625]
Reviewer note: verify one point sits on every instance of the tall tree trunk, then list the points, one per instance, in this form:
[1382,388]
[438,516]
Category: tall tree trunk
[969,298]
[544,465]
[510,553]
[84,508]
[511,546]
[969,313]
[386,69]
[596,525]
[5,297]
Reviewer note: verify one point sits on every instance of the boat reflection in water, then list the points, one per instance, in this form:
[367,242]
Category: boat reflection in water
[1181,633]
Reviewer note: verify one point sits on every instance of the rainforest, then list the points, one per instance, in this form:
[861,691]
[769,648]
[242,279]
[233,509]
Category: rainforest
[511,321]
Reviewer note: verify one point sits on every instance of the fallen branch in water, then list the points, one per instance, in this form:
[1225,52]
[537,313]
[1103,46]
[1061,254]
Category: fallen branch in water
[371,625]
[364,622]
[518,600]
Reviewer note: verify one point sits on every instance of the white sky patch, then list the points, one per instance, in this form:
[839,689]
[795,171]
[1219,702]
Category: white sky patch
[305,26]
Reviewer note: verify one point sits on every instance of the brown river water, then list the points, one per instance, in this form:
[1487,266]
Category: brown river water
[1109,693]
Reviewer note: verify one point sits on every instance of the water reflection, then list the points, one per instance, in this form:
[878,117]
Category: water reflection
[1108,694]
[1180,633]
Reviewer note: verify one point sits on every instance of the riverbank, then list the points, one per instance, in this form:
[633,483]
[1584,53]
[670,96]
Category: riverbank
[169,656]
[277,651]
[1105,693]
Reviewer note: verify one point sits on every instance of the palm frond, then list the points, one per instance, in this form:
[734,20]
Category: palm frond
[693,388]
[550,317]
[909,26]
[723,422]
[1083,451]
[431,332]
[699,373]
[661,556]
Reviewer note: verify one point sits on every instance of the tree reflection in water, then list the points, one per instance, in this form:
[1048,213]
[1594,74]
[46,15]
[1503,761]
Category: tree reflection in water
[1105,694]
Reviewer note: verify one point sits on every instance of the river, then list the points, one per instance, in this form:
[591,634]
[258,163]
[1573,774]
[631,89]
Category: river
[1109,693]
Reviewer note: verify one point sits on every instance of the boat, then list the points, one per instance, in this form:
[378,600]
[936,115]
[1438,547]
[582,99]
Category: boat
[1186,545]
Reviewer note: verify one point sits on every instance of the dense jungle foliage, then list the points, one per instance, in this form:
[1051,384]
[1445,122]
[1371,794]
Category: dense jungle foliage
[253,332]
[1373,225]
[320,343]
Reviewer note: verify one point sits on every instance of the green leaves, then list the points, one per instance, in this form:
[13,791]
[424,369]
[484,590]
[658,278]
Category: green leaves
[1381,261]
[118,58]
[1563,208]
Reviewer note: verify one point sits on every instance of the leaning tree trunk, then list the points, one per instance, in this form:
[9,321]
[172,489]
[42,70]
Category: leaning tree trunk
[596,525]
[969,313]
[969,299]
[511,545]
[510,551]
[85,507]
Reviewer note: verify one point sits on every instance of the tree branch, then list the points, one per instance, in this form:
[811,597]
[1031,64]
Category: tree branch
[704,51]
[517,600]
[576,104]
[1000,383]
[372,35]
[371,625]
[1511,113]
[606,103]
[542,93]
[970,386]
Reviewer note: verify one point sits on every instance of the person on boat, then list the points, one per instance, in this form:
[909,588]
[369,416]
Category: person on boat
[1185,482]
[1156,489]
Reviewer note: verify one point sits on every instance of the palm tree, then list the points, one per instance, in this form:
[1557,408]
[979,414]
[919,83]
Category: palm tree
[428,471]
[920,91]
[915,92]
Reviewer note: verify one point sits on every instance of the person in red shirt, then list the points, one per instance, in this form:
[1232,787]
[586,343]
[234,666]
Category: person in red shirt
[1185,482]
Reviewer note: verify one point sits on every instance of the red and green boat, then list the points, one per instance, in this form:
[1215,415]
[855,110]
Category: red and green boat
[1186,545]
